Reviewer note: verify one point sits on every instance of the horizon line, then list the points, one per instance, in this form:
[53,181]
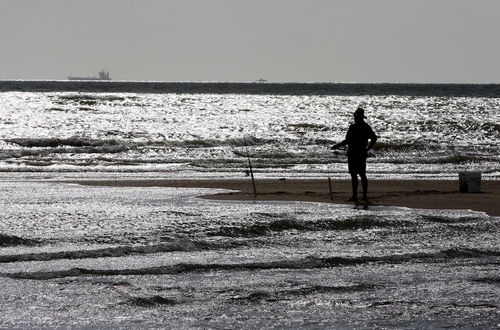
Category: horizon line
[246,82]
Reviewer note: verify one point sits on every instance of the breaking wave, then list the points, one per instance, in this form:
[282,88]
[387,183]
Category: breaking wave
[306,263]
[261,295]
[280,225]
[11,240]
[119,251]
[449,219]
[58,142]
[153,141]
[398,146]
[152,301]
[146,301]
[92,97]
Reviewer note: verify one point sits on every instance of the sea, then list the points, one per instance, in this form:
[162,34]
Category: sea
[90,257]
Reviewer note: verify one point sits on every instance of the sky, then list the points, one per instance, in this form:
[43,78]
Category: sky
[422,41]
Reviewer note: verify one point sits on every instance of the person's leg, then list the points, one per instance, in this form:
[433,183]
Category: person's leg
[364,184]
[354,183]
[364,179]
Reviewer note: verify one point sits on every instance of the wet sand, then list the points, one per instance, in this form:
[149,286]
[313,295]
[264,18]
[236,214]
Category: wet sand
[426,194]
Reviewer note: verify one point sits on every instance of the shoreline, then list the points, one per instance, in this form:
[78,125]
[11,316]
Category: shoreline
[422,194]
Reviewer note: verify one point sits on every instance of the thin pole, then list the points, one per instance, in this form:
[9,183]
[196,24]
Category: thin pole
[251,171]
[330,186]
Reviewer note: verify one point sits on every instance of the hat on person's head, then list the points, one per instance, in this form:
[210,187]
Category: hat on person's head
[360,112]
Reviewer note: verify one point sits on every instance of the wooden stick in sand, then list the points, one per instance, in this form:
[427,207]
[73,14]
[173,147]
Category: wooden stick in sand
[251,171]
[330,186]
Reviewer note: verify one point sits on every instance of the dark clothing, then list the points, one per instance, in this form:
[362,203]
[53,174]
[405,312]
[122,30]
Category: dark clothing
[357,138]
[356,164]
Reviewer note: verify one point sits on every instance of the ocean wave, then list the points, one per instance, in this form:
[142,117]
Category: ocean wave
[146,301]
[405,146]
[460,159]
[449,219]
[280,225]
[11,240]
[86,98]
[82,168]
[489,280]
[89,142]
[468,253]
[212,143]
[287,150]
[119,251]
[427,147]
[152,301]
[305,263]
[431,158]
[59,142]
[286,294]
[491,127]
[309,126]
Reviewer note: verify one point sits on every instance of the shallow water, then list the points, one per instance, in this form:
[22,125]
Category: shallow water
[159,257]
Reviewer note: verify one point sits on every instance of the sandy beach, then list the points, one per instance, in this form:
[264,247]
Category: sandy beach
[426,194]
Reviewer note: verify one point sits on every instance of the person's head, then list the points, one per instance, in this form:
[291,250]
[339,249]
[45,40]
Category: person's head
[359,114]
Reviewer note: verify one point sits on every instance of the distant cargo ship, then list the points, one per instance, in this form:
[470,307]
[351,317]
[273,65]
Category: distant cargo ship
[102,76]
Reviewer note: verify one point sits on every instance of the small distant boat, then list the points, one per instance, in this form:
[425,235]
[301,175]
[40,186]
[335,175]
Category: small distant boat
[262,80]
[102,76]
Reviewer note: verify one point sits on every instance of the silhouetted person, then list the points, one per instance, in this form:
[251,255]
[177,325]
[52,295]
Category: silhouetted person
[356,140]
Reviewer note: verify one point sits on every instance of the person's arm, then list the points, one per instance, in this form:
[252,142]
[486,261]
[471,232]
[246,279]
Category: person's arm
[346,140]
[340,144]
[373,140]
